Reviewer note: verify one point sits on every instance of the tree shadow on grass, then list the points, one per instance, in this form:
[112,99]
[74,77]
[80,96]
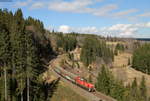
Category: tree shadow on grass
[50,89]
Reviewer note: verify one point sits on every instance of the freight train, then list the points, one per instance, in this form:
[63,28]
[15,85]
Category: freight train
[76,80]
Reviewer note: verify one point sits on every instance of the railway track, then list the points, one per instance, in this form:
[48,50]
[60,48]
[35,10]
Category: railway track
[91,96]
[77,89]
[94,96]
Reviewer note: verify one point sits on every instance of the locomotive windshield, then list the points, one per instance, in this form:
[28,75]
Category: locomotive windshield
[81,79]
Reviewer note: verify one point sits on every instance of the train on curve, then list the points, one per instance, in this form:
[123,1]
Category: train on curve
[76,80]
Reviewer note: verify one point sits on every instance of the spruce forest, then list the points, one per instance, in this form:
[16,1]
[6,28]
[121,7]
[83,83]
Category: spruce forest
[22,59]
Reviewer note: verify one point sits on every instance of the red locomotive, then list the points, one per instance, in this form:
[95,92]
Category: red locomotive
[83,83]
[77,80]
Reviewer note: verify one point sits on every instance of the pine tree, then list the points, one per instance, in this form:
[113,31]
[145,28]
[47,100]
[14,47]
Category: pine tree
[19,52]
[134,90]
[143,90]
[19,20]
[104,81]
[14,37]
[31,62]
[4,57]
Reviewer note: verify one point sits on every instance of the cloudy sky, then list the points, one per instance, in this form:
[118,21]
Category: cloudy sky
[122,18]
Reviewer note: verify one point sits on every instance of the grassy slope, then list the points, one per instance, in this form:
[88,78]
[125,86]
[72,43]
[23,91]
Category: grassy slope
[64,93]
[121,60]
[125,73]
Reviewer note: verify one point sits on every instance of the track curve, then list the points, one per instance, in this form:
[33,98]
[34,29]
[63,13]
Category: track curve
[90,96]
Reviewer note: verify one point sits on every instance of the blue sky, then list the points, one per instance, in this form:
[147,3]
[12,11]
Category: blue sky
[122,18]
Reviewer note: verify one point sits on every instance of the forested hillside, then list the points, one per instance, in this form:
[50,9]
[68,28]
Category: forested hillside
[93,49]
[23,52]
[141,58]
[26,48]
[107,84]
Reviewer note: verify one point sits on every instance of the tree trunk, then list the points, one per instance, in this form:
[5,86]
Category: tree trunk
[28,89]
[21,91]
[13,69]
[5,77]
[13,80]
[21,96]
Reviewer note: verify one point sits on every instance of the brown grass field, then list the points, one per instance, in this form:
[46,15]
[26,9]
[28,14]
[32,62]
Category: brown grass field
[64,93]
[121,60]
[125,73]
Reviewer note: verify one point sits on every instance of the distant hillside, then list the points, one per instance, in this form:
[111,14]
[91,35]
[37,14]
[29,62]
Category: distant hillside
[143,39]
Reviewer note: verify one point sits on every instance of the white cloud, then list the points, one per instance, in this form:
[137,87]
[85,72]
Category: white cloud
[128,29]
[124,29]
[147,14]
[143,25]
[87,30]
[77,6]
[148,24]
[120,30]
[22,3]
[124,13]
[81,6]
[37,5]
[64,29]
[104,10]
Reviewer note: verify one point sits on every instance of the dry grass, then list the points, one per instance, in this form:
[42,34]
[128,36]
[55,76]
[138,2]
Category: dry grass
[48,77]
[64,93]
[132,73]
[128,74]
[121,60]
[114,43]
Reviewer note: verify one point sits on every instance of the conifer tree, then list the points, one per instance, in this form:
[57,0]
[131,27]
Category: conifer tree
[19,20]
[31,62]
[19,58]
[104,81]
[14,39]
[4,57]
[19,51]
[143,90]
[134,90]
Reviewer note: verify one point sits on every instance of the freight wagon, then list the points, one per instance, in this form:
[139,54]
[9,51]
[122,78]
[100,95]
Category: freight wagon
[76,80]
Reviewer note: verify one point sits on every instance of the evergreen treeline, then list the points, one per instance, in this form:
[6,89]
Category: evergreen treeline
[36,23]
[66,41]
[21,60]
[141,58]
[108,85]
[94,48]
